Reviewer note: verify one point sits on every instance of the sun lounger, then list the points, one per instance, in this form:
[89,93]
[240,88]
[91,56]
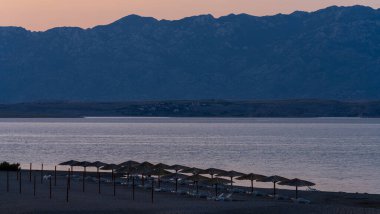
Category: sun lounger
[279,197]
[300,201]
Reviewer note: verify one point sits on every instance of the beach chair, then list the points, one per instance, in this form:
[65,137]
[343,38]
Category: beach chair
[220,197]
[301,201]
[312,189]
[228,197]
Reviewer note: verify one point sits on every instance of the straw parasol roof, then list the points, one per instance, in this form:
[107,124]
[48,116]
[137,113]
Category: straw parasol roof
[217,181]
[98,164]
[125,169]
[178,167]
[230,174]
[174,176]
[109,166]
[297,183]
[212,171]
[159,172]
[145,165]
[197,177]
[251,177]
[161,166]
[274,179]
[192,170]
[69,163]
[83,164]
[129,163]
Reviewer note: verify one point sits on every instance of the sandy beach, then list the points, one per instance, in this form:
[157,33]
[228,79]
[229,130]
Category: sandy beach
[91,201]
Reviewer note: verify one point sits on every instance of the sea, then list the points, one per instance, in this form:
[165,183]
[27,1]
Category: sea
[338,154]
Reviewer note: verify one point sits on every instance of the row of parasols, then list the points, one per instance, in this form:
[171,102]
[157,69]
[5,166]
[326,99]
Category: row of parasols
[178,172]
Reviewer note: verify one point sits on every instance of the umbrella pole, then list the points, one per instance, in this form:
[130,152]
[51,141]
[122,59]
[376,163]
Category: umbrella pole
[83,181]
[274,189]
[296,192]
[42,171]
[159,182]
[231,184]
[176,184]
[55,175]
[112,175]
[7,180]
[152,189]
[99,183]
[197,188]
[34,185]
[20,180]
[251,186]
[133,188]
[216,190]
[114,187]
[30,172]
[142,180]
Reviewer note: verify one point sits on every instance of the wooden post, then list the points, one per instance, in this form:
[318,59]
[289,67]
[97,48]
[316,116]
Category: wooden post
[133,188]
[42,172]
[274,189]
[7,180]
[83,181]
[98,182]
[34,185]
[114,187]
[20,180]
[251,186]
[296,192]
[216,190]
[67,187]
[55,175]
[152,189]
[50,188]
[176,184]
[69,179]
[30,172]
[17,174]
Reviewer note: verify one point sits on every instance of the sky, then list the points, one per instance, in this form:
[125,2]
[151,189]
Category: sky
[40,15]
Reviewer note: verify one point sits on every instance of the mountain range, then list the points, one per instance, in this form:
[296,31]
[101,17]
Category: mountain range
[333,53]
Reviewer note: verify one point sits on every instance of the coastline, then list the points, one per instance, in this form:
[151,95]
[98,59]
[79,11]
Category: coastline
[93,202]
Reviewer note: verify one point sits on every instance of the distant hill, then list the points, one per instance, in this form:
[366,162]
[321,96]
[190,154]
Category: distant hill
[332,53]
[194,108]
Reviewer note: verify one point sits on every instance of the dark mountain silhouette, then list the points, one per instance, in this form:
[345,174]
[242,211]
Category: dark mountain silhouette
[332,53]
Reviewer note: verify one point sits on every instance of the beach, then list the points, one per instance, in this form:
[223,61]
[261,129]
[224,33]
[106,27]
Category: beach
[91,201]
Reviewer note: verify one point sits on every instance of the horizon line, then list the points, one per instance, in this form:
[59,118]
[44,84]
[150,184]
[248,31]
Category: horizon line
[195,15]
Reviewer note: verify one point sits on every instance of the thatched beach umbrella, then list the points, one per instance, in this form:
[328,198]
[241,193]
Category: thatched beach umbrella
[192,170]
[83,164]
[176,177]
[217,181]
[161,166]
[177,168]
[231,175]
[212,171]
[111,167]
[70,163]
[251,177]
[297,183]
[143,169]
[159,172]
[196,178]
[129,163]
[274,179]
[97,165]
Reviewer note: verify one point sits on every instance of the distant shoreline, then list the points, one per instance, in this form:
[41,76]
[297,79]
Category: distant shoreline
[195,108]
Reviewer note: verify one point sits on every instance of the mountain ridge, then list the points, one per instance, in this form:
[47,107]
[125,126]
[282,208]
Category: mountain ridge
[331,53]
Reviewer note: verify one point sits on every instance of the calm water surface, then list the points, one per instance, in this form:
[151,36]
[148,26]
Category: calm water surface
[338,154]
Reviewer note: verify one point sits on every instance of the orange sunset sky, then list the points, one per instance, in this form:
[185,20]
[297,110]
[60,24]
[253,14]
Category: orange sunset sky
[44,14]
